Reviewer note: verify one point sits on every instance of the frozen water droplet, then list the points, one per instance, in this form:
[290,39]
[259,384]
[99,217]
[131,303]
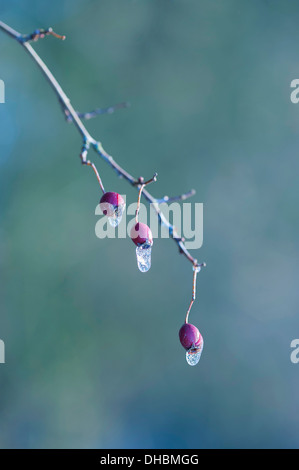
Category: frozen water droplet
[193,354]
[192,357]
[116,217]
[143,253]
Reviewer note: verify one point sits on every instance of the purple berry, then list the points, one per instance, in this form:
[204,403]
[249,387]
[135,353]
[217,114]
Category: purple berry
[110,202]
[189,335]
[141,234]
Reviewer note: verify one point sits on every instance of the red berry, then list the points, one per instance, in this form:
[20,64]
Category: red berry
[189,335]
[109,202]
[141,233]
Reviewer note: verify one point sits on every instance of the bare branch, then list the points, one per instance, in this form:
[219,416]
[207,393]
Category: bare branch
[142,186]
[87,138]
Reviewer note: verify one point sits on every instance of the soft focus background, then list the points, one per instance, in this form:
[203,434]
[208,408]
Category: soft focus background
[92,352]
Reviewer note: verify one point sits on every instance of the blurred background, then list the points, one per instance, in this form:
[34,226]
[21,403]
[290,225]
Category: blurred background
[93,358]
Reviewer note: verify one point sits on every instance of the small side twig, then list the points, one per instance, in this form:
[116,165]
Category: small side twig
[83,156]
[96,145]
[40,34]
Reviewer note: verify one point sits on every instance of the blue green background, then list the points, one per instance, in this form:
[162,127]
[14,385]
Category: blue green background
[92,352]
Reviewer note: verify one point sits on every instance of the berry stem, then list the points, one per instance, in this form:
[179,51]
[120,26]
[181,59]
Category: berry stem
[181,197]
[143,184]
[83,156]
[89,163]
[58,36]
[196,269]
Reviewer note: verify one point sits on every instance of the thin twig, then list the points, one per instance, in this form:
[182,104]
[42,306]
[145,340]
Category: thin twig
[83,156]
[40,34]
